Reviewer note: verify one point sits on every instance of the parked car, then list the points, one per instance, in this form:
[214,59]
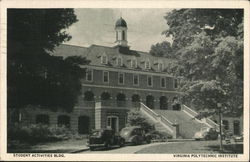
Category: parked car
[206,133]
[104,138]
[135,135]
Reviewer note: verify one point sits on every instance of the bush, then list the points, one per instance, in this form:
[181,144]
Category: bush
[136,119]
[36,133]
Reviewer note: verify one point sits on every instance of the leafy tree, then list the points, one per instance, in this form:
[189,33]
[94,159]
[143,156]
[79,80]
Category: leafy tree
[162,49]
[34,75]
[208,45]
[136,119]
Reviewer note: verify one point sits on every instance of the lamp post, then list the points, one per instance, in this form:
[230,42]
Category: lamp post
[219,107]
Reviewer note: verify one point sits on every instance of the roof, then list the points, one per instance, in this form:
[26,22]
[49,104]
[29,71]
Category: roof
[121,23]
[95,52]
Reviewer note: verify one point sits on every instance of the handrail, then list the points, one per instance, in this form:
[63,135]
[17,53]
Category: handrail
[162,118]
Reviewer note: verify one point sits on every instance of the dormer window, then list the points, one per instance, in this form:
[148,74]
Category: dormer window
[133,63]
[160,66]
[119,61]
[104,59]
[147,64]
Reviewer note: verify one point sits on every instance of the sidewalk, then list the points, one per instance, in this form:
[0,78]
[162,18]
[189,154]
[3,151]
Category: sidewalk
[67,146]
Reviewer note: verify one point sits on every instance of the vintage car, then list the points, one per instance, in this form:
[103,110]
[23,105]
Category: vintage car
[104,138]
[135,135]
[206,133]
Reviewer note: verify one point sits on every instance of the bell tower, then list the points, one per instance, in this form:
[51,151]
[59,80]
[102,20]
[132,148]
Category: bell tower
[121,33]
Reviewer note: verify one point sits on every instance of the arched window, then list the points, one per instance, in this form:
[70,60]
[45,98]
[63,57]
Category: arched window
[104,59]
[123,35]
[63,120]
[134,63]
[150,101]
[121,100]
[147,64]
[42,119]
[119,61]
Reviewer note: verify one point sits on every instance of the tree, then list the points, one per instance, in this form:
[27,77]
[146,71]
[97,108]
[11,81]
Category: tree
[208,45]
[162,49]
[34,75]
[136,119]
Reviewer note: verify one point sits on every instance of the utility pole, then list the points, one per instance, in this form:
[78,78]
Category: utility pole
[219,107]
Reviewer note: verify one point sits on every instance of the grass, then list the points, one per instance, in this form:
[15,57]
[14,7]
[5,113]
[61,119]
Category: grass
[188,147]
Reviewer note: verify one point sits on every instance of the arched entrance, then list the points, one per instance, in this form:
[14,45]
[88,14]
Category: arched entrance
[83,124]
[113,123]
[136,100]
[88,96]
[150,101]
[237,127]
[63,120]
[105,97]
[163,103]
[121,99]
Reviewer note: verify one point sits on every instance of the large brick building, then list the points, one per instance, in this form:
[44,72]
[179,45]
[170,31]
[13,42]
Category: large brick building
[117,79]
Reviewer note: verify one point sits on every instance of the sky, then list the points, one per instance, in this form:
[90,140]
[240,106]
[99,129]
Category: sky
[97,26]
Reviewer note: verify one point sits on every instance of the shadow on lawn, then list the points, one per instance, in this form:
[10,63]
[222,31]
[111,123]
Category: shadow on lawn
[228,148]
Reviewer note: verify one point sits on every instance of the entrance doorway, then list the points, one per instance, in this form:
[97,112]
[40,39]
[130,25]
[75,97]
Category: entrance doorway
[163,103]
[113,123]
[83,124]
[150,101]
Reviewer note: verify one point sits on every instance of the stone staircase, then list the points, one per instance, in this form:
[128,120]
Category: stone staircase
[180,124]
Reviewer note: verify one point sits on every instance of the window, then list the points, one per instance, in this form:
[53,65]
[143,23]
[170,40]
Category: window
[163,82]
[123,35]
[105,76]
[119,61]
[120,78]
[147,65]
[42,119]
[89,75]
[133,63]
[104,59]
[226,124]
[150,81]
[136,79]
[160,67]
[175,83]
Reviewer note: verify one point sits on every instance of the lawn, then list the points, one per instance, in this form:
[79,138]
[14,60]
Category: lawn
[208,147]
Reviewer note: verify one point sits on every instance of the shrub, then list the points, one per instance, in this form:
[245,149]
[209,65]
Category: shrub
[36,133]
[136,119]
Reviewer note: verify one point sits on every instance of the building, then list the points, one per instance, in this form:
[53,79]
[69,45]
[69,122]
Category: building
[117,79]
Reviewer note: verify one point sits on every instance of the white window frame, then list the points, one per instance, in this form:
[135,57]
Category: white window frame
[91,75]
[109,118]
[137,79]
[104,61]
[150,76]
[103,76]
[164,82]
[117,62]
[119,79]
[162,68]
[149,66]
[175,79]
[132,63]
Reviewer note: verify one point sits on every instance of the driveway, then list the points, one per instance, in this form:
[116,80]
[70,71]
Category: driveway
[125,149]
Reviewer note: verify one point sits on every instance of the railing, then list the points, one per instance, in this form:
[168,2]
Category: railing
[159,118]
[194,113]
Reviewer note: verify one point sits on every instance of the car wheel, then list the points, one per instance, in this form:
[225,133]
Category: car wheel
[91,148]
[122,142]
[207,138]
[148,139]
[107,145]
